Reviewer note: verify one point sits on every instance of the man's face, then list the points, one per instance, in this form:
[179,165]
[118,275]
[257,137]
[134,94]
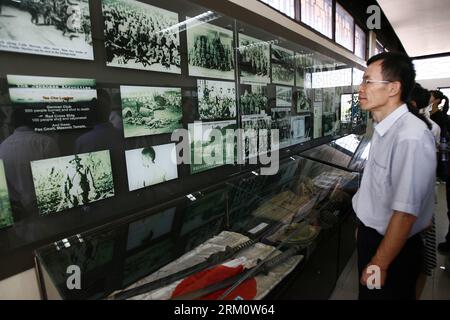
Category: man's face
[373,95]
[146,160]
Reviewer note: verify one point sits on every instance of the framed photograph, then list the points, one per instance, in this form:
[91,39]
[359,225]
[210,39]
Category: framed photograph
[210,51]
[256,135]
[346,107]
[301,130]
[253,99]
[254,60]
[145,231]
[47,27]
[283,96]
[317,95]
[281,120]
[216,100]
[6,218]
[141,36]
[328,96]
[301,102]
[67,182]
[150,110]
[53,104]
[283,66]
[210,144]
[151,165]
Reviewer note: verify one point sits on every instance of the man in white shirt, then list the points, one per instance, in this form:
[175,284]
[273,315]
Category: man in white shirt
[396,197]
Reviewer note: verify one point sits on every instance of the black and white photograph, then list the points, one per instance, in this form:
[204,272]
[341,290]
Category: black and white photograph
[283,96]
[141,36]
[346,107]
[328,100]
[300,129]
[144,231]
[300,70]
[255,141]
[53,104]
[60,28]
[283,66]
[301,101]
[6,218]
[254,60]
[210,51]
[150,110]
[329,123]
[317,119]
[253,99]
[216,100]
[281,121]
[204,144]
[151,165]
[67,182]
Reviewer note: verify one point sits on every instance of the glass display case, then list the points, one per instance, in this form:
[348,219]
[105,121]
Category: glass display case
[239,240]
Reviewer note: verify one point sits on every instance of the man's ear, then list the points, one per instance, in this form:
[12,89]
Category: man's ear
[395,88]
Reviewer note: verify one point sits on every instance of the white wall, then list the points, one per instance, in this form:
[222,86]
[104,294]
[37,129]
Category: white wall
[22,286]
[433,84]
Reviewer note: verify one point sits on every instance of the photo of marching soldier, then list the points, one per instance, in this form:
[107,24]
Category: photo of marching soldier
[141,36]
[283,66]
[6,218]
[216,100]
[253,99]
[67,182]
[254,60]
[47,27]
[150,110]
[210,51]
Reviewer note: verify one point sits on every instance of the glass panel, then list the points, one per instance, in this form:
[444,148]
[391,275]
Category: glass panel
[318,15]
[285,6]
[344,28]
[360,42]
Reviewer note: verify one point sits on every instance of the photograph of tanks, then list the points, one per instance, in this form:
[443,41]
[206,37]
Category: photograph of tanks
[150,110]
[67,182]
[141,36]
[60,28]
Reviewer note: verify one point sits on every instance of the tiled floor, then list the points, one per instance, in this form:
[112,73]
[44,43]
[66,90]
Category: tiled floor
[437,286]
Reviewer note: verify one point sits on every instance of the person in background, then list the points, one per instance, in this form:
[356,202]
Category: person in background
[419,101]
[395,201]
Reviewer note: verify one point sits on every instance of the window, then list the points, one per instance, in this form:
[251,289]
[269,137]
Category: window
[360,42]
[344,27]
[318,15]
[285,6]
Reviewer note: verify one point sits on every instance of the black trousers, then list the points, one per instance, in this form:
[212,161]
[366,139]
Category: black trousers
[402,273]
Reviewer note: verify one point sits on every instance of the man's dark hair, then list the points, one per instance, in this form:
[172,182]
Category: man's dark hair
[149,152]
[397,66]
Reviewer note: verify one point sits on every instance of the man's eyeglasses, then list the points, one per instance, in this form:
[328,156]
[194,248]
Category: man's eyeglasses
[365,82]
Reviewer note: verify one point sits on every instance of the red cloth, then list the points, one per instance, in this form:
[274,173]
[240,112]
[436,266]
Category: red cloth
[205,278]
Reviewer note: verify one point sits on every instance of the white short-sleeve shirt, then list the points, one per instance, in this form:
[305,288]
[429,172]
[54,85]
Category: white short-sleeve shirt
[400,173]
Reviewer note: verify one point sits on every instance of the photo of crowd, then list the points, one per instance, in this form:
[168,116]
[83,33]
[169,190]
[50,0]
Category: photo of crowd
[210,51]
[253,99]
[216,100]
[256,135]
[141,36]
[254,60]
[283,96]
[283,66]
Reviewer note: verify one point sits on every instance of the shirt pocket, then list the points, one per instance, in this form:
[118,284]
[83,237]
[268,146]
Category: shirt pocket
[381,183]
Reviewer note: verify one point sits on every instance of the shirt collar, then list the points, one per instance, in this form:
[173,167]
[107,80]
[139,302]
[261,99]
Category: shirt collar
[389,121]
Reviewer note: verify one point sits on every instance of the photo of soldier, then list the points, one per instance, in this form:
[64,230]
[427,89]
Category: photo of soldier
[67,182]
[281,121]
[254,60]
[255,136]
[283,66]
[141,36]
[47,27]
[210,52]
[216,100]
[301,101]
[150,110]
[253,99]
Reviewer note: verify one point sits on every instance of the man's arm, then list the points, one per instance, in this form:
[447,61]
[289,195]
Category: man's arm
[395,238]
